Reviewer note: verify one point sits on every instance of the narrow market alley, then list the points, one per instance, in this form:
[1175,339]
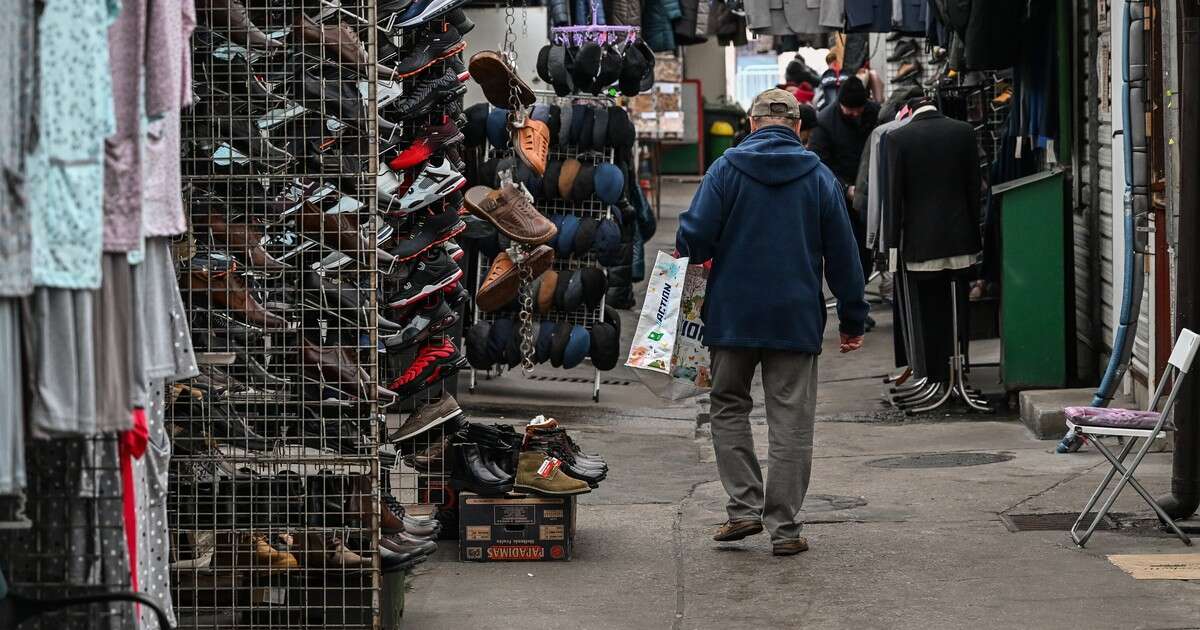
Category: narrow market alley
[905,531]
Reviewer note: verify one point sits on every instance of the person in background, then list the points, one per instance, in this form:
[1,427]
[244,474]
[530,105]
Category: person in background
[839,138]
[772,221]
[808,122]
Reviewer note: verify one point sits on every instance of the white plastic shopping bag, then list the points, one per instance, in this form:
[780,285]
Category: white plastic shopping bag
[668,349]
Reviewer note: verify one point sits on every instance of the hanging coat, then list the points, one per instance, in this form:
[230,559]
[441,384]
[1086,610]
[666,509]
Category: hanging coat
[784,17]
[692,28]
[658,24]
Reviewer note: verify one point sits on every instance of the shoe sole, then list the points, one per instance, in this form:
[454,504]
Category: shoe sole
[428,290]
[450,52]
[739,534]
[498,81]
[533,490]
[451,186]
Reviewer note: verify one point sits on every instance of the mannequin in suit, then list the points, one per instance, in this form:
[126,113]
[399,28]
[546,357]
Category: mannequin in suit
[931,216]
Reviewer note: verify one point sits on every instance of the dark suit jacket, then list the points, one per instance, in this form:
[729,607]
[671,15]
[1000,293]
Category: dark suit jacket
[934,187]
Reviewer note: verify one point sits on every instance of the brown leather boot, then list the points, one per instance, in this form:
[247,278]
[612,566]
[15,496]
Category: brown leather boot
[229,18]
[245,239]
[224,289]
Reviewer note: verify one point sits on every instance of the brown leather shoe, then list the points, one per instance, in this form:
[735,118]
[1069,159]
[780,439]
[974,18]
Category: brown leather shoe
[339,40]
[335,367]
[328,552]
[511,211]
[229,18]
[244,239]
[503,280]
[789,548]
[737,530]
[497,79]
[532,143]
[224,289]
[338,231]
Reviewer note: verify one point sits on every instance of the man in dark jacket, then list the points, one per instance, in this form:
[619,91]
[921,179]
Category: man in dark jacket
[841,134]
[772,220]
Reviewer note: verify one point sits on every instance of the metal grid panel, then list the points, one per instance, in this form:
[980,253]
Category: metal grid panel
[274,487]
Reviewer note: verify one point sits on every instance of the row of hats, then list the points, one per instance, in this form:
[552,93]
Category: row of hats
[575,238]
[568,180]
[562,344]
[586,126]
[592,67]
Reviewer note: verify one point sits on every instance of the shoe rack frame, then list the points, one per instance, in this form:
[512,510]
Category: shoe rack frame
[425,486]
[275,476]
[592,207]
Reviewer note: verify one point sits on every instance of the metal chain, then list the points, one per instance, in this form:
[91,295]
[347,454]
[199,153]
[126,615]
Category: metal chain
[526,315]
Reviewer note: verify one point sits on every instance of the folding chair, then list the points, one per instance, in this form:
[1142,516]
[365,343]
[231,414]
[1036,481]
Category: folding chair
[1092,423]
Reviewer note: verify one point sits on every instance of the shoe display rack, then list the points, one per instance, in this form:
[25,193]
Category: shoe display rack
[274,488]
[419,198]
[584,315]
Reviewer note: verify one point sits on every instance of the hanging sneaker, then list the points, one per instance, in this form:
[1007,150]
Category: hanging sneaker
[431,48]
[425,322]
[436,181]
[428,231]
[425,94]
[424,10]
[427,416]
[423,277]
[435,361]
[434,139]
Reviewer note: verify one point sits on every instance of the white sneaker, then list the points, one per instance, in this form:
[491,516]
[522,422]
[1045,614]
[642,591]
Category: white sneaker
[436,180]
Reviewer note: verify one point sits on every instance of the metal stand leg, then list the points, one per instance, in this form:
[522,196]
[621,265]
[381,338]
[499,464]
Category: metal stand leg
[910,388]
[471,387]
[957,386]
[596,387]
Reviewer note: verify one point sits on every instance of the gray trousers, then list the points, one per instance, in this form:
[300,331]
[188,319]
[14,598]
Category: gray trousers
[790,385]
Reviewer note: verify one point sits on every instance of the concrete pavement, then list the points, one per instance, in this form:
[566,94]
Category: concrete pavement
[891,547]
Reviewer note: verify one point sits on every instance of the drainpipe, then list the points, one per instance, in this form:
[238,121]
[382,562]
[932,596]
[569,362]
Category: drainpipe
[1137,196]
[1185,475]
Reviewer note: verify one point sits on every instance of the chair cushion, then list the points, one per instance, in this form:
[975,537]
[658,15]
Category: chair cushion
[1104,417]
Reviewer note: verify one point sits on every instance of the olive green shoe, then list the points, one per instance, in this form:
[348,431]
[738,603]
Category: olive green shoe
[543,475]
[737,530]
[790,547]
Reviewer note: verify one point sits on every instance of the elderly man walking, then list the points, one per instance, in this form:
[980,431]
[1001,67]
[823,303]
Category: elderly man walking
[772,220]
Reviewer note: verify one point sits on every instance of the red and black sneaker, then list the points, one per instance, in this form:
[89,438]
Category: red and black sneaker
[433,139]
[436,360]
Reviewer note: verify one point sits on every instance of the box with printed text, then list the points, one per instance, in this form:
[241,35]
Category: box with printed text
[517,527]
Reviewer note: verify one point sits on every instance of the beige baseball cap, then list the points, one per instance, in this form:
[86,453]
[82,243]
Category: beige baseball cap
[775,102]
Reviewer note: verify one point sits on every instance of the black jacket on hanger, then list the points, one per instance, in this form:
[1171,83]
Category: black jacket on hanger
[933,180]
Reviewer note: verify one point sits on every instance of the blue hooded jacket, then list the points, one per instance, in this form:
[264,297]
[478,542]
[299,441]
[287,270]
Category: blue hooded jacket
[772,219]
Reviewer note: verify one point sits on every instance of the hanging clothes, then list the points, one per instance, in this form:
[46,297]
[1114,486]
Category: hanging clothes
[784,17]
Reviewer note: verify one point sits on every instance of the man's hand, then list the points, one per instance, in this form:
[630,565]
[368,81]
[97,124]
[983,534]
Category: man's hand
[850,192]
[850,344]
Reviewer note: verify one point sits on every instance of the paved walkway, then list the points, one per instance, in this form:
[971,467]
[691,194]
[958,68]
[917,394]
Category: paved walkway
[891,547]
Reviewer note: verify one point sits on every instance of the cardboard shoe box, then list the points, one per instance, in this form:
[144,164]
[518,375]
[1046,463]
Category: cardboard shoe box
[515,527]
